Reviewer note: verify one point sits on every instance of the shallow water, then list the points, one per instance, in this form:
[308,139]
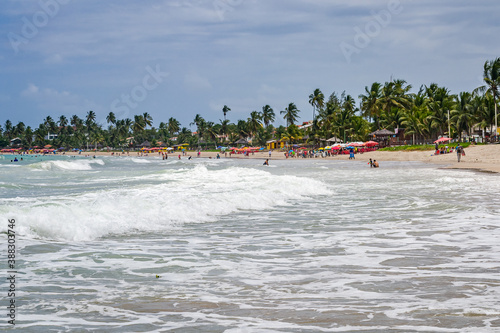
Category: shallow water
[301,246]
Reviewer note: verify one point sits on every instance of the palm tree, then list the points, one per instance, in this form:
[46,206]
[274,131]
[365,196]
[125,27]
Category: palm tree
[40,135]
[290,114]
[148,120]
[242,129]
[316,99]
[253,123]
[225,110]
[224,128]
[184,135]
[268,115]
[439,102]
[7,131]
[292,134]
[491,76]
[200,126]
[90,119]
[462,114]
[197,120]
[50,126]
[211,132]
[139,125]
[90,124]
[28,137]
[78,130]
[395,95]
[370,102]
[19,129]
[111,118]
[488,112]
[413,120]
[173,126]
[76,121]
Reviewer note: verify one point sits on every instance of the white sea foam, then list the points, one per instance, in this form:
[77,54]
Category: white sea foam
[140,160]
[196,195]
[71,165]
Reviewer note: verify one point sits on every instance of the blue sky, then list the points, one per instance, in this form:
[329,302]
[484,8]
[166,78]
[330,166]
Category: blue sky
[183,57]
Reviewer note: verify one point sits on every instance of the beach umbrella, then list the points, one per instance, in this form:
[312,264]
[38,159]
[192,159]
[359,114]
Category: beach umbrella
[371,143]
[442,140]
[336,147]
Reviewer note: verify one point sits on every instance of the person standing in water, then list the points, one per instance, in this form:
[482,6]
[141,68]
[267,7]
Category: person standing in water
[460,150]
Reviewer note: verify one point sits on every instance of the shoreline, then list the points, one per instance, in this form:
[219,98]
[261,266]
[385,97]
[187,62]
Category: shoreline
[479,158]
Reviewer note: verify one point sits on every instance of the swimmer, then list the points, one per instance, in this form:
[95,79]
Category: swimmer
[266,162]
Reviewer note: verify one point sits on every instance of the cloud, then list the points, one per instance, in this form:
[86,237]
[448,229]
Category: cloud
[31,91]
[194,81]
[246,54]
[58,102]
[54,59]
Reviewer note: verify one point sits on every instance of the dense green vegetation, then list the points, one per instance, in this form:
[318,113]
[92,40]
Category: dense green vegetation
[424,115]
[423,147]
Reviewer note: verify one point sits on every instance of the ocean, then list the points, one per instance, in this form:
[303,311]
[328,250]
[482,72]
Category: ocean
[140,244]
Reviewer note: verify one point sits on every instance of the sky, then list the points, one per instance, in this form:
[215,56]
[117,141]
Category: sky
[179,58]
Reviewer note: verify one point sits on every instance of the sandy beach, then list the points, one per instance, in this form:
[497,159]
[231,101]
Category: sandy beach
[481,158]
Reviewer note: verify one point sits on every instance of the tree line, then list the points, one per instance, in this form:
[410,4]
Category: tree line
[431,112]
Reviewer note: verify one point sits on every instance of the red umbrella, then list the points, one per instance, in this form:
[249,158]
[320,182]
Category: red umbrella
[442,140]
[371,143]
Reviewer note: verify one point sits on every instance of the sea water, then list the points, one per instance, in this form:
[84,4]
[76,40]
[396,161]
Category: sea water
[141,244]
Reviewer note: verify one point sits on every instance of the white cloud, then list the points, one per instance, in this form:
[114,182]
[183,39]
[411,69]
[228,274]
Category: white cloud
[32,90]
[54,59]
[258,53]
[58,102]
[194,81]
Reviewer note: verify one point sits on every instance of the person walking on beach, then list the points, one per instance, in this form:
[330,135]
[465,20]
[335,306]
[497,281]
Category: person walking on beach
[460,150]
